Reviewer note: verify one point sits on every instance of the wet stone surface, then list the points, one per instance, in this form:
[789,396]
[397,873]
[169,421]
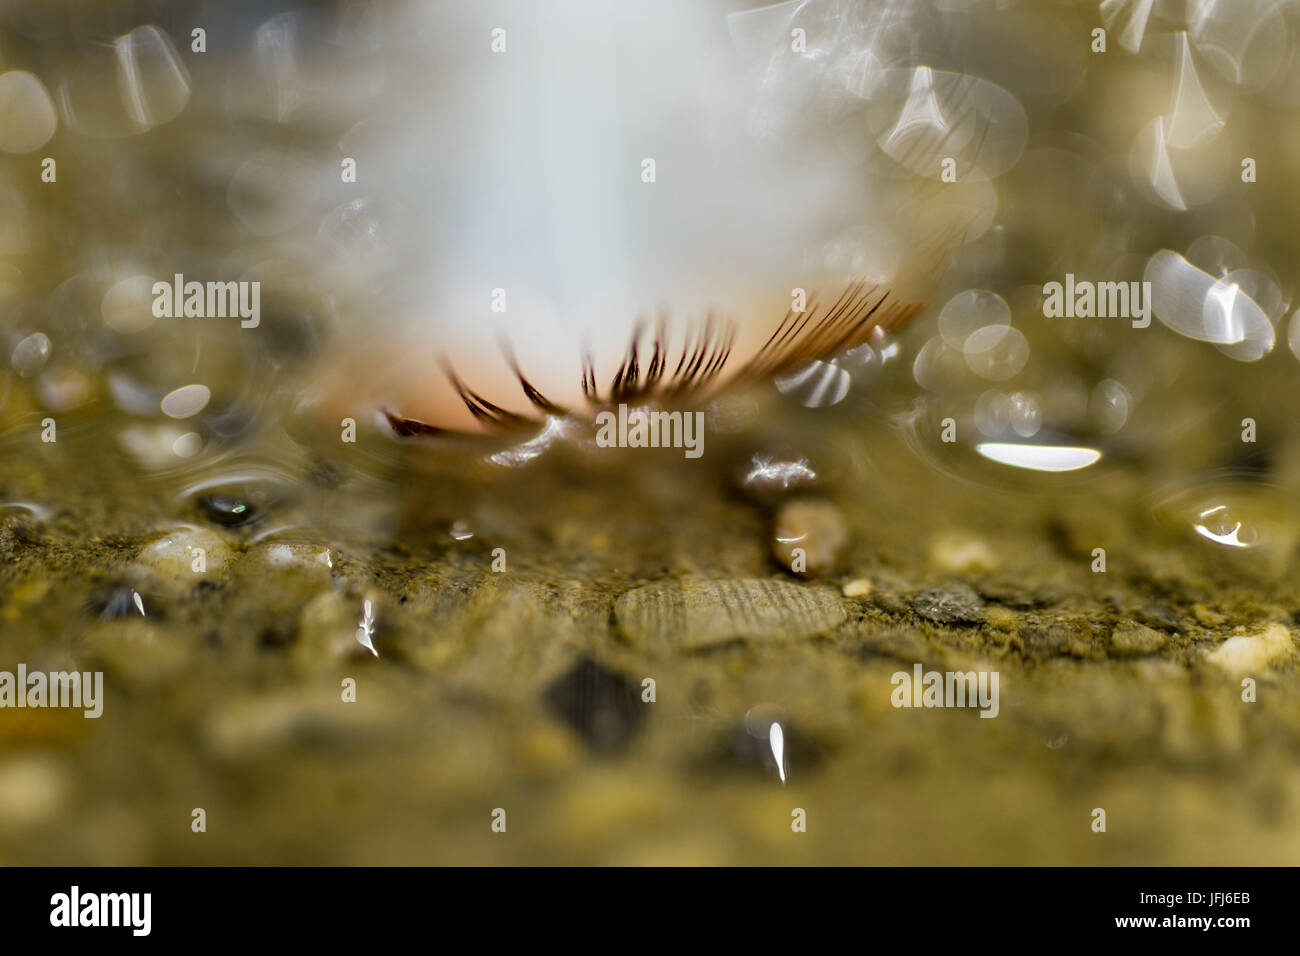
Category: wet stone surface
[956,605]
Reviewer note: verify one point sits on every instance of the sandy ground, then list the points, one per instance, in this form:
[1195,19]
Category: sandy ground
[523,690]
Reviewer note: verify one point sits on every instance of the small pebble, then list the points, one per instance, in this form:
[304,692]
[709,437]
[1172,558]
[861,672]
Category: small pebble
[1135,640]
[1001,617]
[956,604]
[280,554]
[1244,654]
[244,726]
[33,790]
[1046,641]
[1208,617]
[603,707]
[704,613]
[807,535]
[549,749]
[188,553]
[962,554]
[1015,594]
[1157,615]
[137,651]
[858,587]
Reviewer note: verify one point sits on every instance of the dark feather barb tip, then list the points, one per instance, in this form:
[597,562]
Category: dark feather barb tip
[705,350]
[483,410]
[534,396]
[408,427]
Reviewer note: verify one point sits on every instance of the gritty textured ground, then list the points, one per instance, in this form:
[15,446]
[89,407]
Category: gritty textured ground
[522,690]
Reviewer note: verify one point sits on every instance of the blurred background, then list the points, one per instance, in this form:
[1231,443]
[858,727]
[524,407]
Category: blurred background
[499,599]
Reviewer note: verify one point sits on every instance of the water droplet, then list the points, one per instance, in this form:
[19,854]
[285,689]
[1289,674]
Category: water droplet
[1229,307]
[31,353]
[1246,41]
[968,311]
[992,413]
[63,389]
[938,366]
[352,234]
[151,79]
[188,445]
[186,401]
[1179,291]
[155,447]
[276,45]
[1024,414]
[1109,406]
[127,306]
[27,118]
[1191,118]
[1177,160]
[1216,256]
[1135,14]
[271,192]
[996,352]
[922,115]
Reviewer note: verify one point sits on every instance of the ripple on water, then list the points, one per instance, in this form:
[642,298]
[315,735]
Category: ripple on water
[1230,516]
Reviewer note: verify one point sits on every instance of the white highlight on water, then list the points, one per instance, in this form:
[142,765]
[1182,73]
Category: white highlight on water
[1039,457]
[1231,539]
[776,738]
[365,633]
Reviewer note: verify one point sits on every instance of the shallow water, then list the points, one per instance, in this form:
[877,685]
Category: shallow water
[479,601]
